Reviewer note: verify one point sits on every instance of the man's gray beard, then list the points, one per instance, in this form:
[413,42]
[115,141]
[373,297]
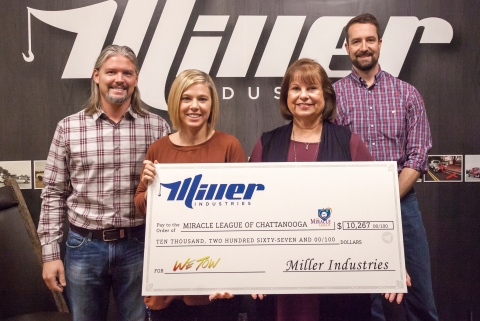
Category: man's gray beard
[117,100]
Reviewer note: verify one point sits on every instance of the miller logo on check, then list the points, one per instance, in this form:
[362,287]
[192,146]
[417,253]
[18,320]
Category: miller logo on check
[190,190]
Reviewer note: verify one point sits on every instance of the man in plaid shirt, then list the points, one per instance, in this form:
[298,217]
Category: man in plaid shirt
[92,172]
[390,116]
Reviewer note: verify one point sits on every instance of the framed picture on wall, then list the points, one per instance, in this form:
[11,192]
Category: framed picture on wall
[444,168]
[38,171]
[472,168]
[21,171]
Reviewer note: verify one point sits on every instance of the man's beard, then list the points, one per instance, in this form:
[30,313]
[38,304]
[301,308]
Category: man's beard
[366,66]
[117,100]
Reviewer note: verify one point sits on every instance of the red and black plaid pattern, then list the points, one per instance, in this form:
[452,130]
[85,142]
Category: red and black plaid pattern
[92,171]
[389,116]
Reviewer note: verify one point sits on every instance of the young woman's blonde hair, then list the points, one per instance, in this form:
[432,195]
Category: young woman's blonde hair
[184,80]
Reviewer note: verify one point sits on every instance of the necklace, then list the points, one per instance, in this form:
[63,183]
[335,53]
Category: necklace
[306,147]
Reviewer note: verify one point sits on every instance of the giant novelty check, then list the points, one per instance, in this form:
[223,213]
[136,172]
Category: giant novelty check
[274,228]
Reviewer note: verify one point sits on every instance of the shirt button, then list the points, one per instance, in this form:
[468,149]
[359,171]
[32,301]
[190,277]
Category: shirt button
[373,144]
[371,126]
[371,107]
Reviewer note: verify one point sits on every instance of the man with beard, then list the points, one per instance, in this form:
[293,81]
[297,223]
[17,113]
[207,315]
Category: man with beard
[92,172]
[390,117]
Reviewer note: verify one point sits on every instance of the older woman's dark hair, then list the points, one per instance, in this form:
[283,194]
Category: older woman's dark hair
[308,72]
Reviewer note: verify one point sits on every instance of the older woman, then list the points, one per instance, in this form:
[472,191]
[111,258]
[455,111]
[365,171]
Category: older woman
[308,100]
[193,108]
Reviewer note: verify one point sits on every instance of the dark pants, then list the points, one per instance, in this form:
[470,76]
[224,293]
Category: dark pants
[419,303]
[218,310]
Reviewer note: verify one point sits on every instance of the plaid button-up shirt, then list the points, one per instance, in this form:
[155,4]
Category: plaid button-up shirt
[92,172]
[389,116]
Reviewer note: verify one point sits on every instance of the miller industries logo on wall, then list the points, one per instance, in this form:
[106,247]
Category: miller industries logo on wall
[92,24]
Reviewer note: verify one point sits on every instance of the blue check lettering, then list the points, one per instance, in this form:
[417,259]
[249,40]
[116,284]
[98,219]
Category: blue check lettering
[191,189]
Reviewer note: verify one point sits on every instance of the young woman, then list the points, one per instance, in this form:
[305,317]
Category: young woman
[193,108]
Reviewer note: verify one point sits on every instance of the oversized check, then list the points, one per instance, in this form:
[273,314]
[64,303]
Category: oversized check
[274,228]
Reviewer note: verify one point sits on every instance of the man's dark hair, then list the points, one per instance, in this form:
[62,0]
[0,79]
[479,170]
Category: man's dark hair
[363,18]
